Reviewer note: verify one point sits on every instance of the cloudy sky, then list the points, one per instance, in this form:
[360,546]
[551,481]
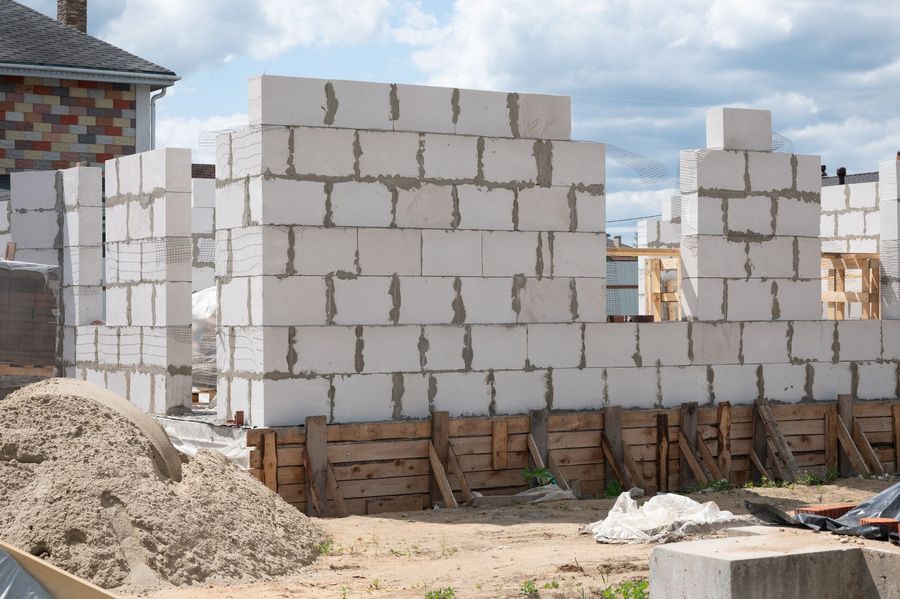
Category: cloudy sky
[641,73]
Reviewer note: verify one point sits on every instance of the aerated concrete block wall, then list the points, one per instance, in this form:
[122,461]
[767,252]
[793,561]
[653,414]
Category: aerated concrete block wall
[384,250]
[36,216]
[750,246]
[889,245]
[851,219]
[203,234]
[5,213]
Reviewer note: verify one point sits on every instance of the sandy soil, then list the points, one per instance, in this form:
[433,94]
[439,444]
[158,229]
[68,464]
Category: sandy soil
[490,552]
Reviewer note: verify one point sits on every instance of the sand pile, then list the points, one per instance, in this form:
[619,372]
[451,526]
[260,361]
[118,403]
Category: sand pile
[81,486]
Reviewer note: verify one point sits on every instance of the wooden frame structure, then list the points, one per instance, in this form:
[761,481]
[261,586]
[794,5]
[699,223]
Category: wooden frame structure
[369,468]
[835,267]
[661,297]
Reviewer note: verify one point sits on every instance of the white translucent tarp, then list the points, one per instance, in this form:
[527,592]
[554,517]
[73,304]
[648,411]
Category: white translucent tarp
[662,518]
[16,583]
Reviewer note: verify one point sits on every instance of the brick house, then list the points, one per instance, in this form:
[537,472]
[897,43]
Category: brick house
[67,97]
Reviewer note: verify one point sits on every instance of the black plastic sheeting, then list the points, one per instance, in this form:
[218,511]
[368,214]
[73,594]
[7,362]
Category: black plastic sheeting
[883,505]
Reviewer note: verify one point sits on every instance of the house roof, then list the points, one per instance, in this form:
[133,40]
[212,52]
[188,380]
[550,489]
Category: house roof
[31,39]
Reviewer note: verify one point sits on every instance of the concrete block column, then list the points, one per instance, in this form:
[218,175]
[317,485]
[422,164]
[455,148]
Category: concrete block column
[749,246]
[889,212]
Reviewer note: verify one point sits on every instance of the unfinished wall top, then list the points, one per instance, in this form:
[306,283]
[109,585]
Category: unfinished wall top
[299,101]
[738,129]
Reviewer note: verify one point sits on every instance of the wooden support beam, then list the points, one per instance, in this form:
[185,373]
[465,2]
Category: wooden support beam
[689,419]
[456,469]
[757,463]
[10,253]
[499,442]
[857,465]
[865,448]
[688,457]
[895,413]
[791,470]
[662,453]
[777,464]
[631,467]
[845,414]
[539,431]
[552,466]
[440,476]
[724,439]
[640,252]
[334,491]
[615,465]
[831,439]
[612,433]
[270,460]
[760,448]
[440,439]
[708,460]
[535,453]
[316,465]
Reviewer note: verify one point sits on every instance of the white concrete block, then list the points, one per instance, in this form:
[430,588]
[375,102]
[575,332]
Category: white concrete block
[483,113]
[578,163]
[873,223]
[203,193]
[828,225]
[682,384]
[864,195]
[703,299]
[784,382]
[426,300]
[501,347]
[543,116]
[877,381]
[700,215]
[835,197]
[610,344]
[462,393]
[771,258]
[203,220]
[255,251]
[798,217]
[718,169]
[554,345]
[591,212]
[275,100]
[545,300]
[830,380]
[591,300]
[752,214]
[487,300]
[140,221]
[166,168]
[851,223]
[391,349]
[735,383]
[324,350]
[482,208]
[287,202]
[323,152]
[863,246]
[363,300]
[813,340]
[171,215]
[173,304]
[33,190]
[579,254]
[360,205]
[508,253]
[800,300]
[288,402]
[766,342]
[360,104]
[455,253]
[578,389]
[424,108]
[518,391]
[665,343]
[450,156]
[292,300]
[143,304]
[715,343]
[234,308]
[49,257]
[231,205]
[429,206]
[750,300]
[859,340]
[507,160]
[739,129]
[414,401]
[388,153]
[444,347]
[247,152]
[632,387]
[715,256]
[319,251]
[35,229]
[770,171]
[545,209]
[390,251]
[809,173]
[82,266]
[890,339]
[363,398]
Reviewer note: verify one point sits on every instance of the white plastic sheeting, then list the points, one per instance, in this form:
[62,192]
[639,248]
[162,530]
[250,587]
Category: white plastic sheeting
[203,333]
[662,518]
[540,494]
[190,435]
[16,583]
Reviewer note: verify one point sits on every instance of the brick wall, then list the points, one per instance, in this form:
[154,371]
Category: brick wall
[58,123]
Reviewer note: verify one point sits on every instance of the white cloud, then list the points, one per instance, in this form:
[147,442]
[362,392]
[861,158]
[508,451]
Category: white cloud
[185,132]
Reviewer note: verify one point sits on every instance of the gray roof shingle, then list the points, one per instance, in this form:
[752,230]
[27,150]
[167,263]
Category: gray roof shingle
[29,37]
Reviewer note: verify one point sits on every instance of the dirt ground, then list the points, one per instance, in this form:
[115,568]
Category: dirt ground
[491,552]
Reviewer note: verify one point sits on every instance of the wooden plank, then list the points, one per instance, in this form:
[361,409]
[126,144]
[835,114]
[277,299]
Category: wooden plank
[614,466]
[634,471]
[474,445]
[440,477]
[456,469]
[481,427]
[784,451]
[895,412]
[343,453]
[291,475]
[538,429]
[845,414]
[334,492]
[708,460]
[404,503]
[484,461]
[777,464]
[379,431]
[865,448]
[854,458]
[317,467]
[575,421]
[687,453]
[440,442]
[287,435]
[10,253]
[831,439]
[573,439]
[372,470]
[662,453]
[689,417]
[535,453]
[386,487]
[499,449]
[757,463]
[554,469]
[270,461]
[581,455]
[630,252]
[612,433]
[723,414]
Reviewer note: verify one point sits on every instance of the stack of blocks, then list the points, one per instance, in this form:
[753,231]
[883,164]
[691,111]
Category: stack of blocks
[203,233]
[851,220]
[888,176]
[35,216]
[750,244]
[383,250]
